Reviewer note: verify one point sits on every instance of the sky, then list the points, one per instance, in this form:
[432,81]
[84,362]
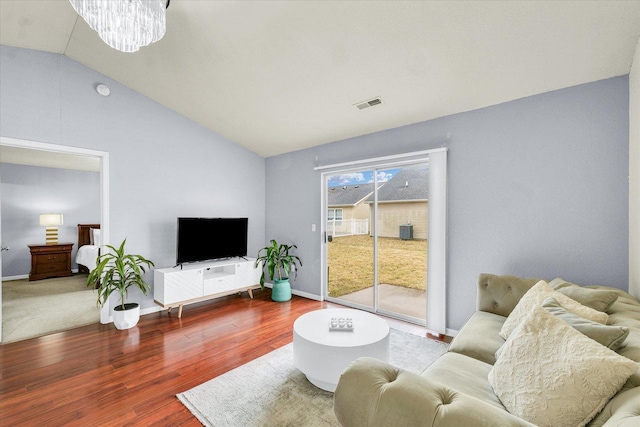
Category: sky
[365,177]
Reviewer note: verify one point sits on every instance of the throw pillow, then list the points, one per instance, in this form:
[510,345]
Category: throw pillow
[598,299]
[96,238]
[535,296]
[609,336]
[552,375]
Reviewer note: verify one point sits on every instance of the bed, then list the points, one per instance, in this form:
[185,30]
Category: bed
[89,242]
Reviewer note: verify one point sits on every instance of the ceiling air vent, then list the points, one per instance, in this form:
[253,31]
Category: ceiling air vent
[366,104]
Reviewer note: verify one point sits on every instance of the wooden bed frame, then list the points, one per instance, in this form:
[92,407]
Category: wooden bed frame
[84,238]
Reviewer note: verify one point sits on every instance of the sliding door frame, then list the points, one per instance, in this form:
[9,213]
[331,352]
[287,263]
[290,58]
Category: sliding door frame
[436,268]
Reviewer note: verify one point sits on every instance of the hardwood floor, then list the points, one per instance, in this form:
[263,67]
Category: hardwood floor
[96,375]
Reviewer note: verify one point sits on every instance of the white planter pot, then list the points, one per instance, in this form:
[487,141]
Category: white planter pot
[127,318]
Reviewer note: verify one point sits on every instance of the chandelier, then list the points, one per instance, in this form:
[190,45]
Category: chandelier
[125,25]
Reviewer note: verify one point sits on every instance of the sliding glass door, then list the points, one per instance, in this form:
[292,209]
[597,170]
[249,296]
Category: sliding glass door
[401,238]
[350,247]
[376,238]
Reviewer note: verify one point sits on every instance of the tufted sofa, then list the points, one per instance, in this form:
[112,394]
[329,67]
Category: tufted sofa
[455,390]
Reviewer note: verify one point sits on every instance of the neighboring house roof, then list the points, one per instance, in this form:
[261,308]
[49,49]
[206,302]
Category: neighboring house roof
[410,183]
[348,195]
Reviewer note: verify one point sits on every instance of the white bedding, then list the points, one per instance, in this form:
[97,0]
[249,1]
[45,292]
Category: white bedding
[87,255]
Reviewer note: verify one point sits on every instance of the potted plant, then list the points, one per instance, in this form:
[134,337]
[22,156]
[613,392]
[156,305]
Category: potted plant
[277,259]
[116,271]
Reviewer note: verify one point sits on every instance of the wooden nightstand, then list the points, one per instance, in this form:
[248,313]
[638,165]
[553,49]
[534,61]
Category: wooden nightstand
[50,261]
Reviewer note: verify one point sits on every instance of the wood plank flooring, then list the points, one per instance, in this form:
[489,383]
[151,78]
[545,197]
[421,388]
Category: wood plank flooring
[97,376]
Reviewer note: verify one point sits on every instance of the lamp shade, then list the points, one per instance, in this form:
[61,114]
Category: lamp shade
[50,220]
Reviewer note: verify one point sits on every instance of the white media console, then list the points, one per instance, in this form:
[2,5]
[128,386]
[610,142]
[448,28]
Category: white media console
[177,286]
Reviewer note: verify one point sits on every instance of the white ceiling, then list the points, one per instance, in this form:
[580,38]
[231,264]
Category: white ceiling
[278,76]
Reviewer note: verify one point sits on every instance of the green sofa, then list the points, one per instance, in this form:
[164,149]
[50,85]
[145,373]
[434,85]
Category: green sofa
[455,389]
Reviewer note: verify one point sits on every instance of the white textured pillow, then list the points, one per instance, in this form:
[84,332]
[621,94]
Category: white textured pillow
[536,296]
[552,375]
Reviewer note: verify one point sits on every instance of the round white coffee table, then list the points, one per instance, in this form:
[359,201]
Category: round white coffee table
[322,354]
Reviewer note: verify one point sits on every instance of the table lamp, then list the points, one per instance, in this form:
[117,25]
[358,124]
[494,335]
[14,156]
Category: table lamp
[51,221]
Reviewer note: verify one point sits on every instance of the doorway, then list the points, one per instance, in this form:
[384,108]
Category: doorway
[382,222]
[377,250]
[55,151]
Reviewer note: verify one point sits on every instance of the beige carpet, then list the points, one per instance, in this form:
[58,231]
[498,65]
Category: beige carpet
[42,307]
[270,391]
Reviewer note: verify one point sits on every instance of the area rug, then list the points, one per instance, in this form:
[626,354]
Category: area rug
[270,391]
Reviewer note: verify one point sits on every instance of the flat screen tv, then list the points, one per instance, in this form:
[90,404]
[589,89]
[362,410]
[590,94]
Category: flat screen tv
[202,239]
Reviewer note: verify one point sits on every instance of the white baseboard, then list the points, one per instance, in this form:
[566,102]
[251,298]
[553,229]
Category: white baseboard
[150,310]
[306,295]
[26,276]
[20,277]
[143,311]
[298,293]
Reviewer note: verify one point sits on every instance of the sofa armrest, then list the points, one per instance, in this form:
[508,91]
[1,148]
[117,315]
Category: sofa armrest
[375,394]
[500,294]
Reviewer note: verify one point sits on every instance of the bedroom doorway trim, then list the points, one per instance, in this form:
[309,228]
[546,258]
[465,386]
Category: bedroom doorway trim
[103,156]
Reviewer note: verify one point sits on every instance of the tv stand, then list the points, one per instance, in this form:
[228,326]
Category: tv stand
[190,283]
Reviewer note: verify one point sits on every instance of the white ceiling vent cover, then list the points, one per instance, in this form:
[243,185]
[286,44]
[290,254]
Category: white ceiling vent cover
[370,103]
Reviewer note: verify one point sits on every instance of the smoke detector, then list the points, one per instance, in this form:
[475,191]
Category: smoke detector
[370,103]
[103,90]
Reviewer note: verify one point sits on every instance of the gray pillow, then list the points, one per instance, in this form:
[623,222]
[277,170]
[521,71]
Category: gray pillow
[598,299]
[609,336]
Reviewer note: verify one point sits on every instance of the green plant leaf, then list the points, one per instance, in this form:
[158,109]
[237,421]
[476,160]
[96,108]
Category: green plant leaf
[116,271]
[277,258]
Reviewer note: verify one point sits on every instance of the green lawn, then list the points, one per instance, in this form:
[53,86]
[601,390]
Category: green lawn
[400,263]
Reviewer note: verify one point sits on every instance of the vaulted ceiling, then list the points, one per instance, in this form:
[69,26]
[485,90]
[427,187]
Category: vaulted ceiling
[278,76]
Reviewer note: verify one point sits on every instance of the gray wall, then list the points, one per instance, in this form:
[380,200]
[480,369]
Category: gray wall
[537,187]
[162,165]
[29,191]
